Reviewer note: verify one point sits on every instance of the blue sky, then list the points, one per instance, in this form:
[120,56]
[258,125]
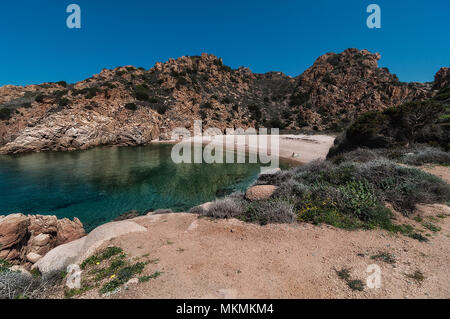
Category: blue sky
[287,36]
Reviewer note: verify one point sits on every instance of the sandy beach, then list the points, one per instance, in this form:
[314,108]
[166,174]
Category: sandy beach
[299,149]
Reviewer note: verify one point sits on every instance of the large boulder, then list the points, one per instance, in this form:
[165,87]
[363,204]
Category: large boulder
[69,230]
[13,230]
[260,192]
[78,250]
[26,239]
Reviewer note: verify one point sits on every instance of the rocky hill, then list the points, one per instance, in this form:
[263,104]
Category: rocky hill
[133,106]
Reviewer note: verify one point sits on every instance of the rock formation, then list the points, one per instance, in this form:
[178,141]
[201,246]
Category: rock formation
[133,106]
[27,238]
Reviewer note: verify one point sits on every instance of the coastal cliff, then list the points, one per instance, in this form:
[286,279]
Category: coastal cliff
[134,106]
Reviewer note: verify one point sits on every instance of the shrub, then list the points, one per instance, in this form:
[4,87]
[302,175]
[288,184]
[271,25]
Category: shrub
[16,285]
[229,207]
[278,210]
[91,92]
[227,100]
[206,105]
[40,98]
[160,108]
[131,106]
[141,93]
[5,114]
[298,99]
[181,81]
[62,83]
[413,122]
[203,114]
[255,112]
[427,155]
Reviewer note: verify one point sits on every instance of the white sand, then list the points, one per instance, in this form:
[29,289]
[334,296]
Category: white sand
[298,148]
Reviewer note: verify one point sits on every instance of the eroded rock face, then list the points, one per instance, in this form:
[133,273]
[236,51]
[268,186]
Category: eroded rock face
[13,234]
[130,106]
[28,238]
[339,87]
[442,78]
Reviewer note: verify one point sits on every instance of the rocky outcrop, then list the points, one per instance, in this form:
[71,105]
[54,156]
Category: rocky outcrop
[131,106]
[76,251]
[442,78]
[260,192]
[27,238]
[339,87]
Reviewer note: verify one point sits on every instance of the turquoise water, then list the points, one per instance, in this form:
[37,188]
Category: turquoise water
[100,184]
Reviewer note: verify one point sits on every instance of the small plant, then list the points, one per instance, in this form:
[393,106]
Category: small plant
[35,273]
[418,237]
[96,259]
[431,226]
[353,284]
[384,256]
[206,105]
[5,114]
[123,275]
[418,219]
[152,276]
[4,265]
[417,276]
[131,106]
[344,273]
[356,285]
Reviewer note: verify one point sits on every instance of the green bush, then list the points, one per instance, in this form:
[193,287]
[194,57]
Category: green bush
[344,194]
[413,122]
[131,106]
[206,105]
[141,93]
[5,114]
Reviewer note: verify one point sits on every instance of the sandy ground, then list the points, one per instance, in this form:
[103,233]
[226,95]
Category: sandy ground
[203,258]
[297,148]
[440,171]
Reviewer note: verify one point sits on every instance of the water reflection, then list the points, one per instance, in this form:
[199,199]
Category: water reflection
[99,184]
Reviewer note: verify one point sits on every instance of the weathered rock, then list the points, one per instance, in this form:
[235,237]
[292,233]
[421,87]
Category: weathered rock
[33,257]
[128,215]
[13,230]
[69,230]
[272,171]
[24,238]
[78,250]
[40,240]
[335,89]
[42,224]
[260,192]
[21,269]
[442,78]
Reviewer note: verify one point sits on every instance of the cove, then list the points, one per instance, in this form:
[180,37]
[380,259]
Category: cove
[100,184]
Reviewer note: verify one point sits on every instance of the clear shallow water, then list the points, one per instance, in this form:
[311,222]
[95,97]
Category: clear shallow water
[100,184]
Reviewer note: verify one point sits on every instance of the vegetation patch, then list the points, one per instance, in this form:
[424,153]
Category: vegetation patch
[431,226]
[4,265]
[413,122]
[156,274]
[417,276]
[346,193]
[353,284]
[108,270]
[385,257]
